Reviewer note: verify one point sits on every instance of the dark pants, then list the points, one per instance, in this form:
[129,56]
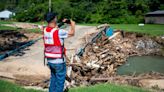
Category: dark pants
[58,74]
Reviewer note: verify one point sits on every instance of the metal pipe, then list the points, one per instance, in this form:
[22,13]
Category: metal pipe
[9,53]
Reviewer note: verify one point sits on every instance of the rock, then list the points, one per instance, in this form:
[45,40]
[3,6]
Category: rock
[140,45]
[162,37]
[151,44]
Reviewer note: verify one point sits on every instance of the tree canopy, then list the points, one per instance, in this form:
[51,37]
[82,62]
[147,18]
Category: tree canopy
[84,11]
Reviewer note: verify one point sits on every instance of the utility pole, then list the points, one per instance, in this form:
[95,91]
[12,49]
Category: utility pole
[49,5]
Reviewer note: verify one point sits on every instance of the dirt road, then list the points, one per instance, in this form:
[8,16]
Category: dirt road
[31,62]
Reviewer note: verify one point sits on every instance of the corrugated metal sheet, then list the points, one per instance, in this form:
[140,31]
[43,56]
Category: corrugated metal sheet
[156,12]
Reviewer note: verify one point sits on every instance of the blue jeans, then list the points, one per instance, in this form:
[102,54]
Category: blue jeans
[58,74]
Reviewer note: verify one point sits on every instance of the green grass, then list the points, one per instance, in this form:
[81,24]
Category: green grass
[108,88]
[2,27]
[40,23]
[6,22]
[10,87]
[85,24]
[7,28]
[150,29]
[17,29]
[34,30]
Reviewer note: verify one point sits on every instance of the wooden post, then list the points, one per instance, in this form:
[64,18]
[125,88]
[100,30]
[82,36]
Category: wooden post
[49,5]
[69,70]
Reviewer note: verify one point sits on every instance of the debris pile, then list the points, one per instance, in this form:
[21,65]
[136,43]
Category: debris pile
[102,57]
[100,60]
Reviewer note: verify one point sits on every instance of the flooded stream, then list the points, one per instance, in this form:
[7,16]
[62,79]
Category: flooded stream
[142,64]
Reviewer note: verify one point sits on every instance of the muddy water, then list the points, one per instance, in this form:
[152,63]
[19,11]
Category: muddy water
[142,64]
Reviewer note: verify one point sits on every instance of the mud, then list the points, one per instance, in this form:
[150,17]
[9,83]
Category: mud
[12,39]
[32,80]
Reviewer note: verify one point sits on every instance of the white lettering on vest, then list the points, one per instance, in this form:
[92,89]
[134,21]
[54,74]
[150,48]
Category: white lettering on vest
[48,36]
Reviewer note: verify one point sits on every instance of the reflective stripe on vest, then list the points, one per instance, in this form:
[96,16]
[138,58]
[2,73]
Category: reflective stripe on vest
[53,48]
[50,55]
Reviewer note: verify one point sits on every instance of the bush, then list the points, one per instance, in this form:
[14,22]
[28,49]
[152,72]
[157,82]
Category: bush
[33,14]
[88,11]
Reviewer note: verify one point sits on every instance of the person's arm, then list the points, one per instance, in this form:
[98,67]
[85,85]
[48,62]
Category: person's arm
[72,29]
[65,34]
[71,32]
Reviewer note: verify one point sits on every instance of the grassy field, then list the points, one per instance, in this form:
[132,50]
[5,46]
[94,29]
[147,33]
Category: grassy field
[7,28]
[10,87]
[2,27]
[150,29]
[108,88]
[18,29]
[5,22]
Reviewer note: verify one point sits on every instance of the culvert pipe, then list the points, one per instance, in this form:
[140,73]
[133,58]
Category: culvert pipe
[9,53]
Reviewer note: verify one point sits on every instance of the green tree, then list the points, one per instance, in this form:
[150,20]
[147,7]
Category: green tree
[84,11]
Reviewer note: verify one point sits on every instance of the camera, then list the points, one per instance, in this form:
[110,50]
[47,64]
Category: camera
[68,21]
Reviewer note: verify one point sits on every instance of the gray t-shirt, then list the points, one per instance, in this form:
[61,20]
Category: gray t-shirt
[62,35]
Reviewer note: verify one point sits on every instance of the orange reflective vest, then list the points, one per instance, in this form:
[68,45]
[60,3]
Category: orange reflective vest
[53,47]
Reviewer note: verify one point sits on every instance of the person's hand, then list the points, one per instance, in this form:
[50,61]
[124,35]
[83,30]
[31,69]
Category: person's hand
[66,21]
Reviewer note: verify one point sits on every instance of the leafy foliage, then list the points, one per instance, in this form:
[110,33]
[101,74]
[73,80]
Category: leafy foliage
[84,11]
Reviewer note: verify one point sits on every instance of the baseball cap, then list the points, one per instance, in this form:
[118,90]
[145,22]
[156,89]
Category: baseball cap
[50,16]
